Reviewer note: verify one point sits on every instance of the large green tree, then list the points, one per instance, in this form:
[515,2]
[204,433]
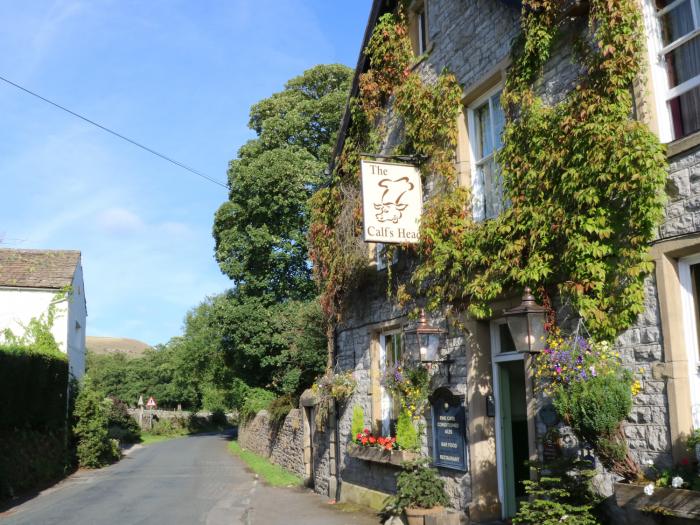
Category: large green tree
[260,232]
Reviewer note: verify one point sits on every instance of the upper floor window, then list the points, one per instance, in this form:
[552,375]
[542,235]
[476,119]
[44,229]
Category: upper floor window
[486,122]
[679,25]
[418,23]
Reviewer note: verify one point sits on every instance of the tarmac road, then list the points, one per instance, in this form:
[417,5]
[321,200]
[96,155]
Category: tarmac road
[185,481]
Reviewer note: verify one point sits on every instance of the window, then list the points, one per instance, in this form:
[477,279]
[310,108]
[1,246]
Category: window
[390,350]
[380,256]
[678,47]
[418,23]
[486,121]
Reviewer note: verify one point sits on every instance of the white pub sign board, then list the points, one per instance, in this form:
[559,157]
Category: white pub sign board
[392,201]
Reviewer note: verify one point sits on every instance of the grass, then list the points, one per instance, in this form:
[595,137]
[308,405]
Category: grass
[271,473]
[148,439]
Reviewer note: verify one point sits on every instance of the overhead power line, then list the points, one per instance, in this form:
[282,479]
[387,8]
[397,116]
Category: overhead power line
[119,135]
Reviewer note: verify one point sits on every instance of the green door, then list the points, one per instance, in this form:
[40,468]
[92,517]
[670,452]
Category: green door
[514,434]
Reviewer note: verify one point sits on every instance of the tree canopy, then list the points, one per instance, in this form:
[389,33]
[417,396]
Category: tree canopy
[261,231]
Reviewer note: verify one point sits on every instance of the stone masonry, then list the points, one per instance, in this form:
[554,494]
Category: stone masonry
[281,442]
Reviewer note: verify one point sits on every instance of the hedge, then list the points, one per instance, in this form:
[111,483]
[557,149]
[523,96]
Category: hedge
[33,388]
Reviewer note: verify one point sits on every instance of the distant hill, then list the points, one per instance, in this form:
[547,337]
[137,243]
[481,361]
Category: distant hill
[115,345]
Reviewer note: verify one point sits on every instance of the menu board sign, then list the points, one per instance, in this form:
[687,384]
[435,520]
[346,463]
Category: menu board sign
[449,430]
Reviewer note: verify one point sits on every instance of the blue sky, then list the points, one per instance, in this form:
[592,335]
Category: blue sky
[177,76]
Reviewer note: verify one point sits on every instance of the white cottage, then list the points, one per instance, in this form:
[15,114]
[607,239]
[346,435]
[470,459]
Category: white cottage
[32,280]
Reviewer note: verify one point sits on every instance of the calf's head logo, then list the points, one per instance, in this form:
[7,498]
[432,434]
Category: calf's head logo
[390,208]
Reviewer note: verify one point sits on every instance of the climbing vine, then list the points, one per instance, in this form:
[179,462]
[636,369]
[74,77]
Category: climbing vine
[583,183]
[428,125]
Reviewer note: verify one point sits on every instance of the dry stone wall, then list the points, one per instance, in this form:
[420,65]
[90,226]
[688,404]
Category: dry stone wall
[282,443]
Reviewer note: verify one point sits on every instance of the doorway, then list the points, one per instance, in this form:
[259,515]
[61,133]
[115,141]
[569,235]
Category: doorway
[512,432]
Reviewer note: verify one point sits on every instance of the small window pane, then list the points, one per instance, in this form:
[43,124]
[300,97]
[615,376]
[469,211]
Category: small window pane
[493,189]
[484,144]
[507,344]
[683,63]
[677,23]
[499,120]
[685,111]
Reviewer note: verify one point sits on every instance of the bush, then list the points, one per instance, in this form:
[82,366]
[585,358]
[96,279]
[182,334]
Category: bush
[550,504]
[170,426]
[31,459]
[37,381]
[256,399]
[280,407]
[418,485]
[120,425]
[358,421]
[407,437]
[95,448]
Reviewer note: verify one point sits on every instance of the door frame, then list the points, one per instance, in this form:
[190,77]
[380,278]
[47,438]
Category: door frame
[690,333]
[496,359]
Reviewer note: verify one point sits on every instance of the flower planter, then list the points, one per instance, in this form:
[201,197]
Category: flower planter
[416,516]
[378,455]
[679,503]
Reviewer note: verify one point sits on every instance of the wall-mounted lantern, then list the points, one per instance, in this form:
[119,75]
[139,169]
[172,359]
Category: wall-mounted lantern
[428,337]
[526,324]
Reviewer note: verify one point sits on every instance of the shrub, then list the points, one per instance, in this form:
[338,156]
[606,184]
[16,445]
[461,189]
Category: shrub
[31,459]
[550,504]
[418,485]
[595,407]
[95,448]
[256,399]
[214,399]
[35,380]
[170,426]
[407,437]
[358,421]
[120,425]
[280,407]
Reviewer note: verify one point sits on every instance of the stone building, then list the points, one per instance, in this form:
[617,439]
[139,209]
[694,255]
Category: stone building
[504,423]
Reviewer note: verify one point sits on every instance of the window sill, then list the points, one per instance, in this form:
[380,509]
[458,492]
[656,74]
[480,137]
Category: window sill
[679,503]
[378,455]
[682,145]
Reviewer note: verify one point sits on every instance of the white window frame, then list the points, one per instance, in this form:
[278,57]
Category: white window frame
[386,400]
[690,333]
[477,183]
[657,61]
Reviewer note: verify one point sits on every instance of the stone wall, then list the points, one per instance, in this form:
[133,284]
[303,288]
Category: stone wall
[282,443]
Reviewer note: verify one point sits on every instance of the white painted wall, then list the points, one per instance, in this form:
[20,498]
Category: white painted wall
[19,305]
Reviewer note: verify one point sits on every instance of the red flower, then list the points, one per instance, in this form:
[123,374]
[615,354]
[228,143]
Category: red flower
[388,446]
[364,440]
[685,461]
[372,440]
[366,431]
[359,435]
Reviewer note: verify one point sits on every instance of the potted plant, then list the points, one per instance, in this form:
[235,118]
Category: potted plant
[420,492]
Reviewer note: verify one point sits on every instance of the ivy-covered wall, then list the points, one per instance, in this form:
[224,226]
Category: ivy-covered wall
[472,40]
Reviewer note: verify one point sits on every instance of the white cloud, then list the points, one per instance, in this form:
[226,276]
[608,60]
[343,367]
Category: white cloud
[119,221]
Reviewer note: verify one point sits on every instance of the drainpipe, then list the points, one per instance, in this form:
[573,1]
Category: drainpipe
[334,423]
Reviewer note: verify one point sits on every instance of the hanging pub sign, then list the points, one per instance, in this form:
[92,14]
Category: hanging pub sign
[449,430]
[392,201]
